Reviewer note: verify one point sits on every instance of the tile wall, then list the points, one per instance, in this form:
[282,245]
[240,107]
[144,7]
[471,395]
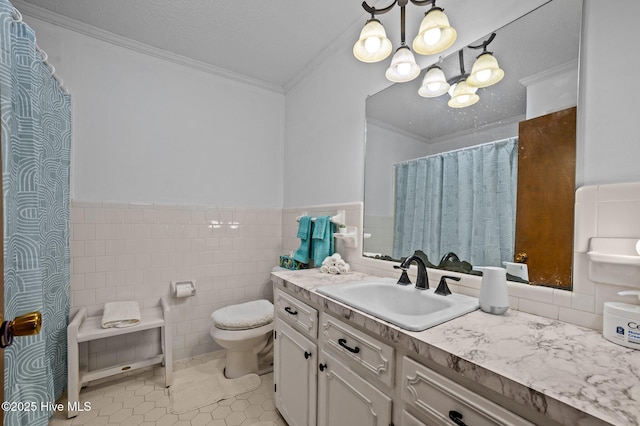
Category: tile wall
[601,211]
[133,251]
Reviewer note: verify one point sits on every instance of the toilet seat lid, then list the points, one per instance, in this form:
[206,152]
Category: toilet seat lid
[244,316]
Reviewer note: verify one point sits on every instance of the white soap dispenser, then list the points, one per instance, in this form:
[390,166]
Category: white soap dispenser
[494,297]
[621,322]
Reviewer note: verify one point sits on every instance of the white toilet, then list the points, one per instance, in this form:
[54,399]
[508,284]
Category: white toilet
[244,330]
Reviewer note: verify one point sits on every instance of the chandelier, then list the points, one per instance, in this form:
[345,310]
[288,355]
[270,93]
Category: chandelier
[463,87]
[434,36]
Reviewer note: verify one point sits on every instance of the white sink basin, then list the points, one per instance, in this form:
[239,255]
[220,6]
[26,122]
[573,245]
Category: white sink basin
[404,306]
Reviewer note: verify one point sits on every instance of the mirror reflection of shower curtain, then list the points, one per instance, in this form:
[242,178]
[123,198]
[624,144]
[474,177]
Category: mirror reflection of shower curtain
[462,201]
[36,138]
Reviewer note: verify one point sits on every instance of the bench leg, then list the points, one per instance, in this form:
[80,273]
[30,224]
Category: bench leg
[73,385]
[167,350]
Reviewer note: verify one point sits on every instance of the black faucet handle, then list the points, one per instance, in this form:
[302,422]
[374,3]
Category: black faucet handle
[404,278]
[443,288]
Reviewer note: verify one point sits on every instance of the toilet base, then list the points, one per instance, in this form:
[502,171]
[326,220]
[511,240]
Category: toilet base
[240,363]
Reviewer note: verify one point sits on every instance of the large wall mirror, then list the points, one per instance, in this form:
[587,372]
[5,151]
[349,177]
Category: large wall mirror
[539,55]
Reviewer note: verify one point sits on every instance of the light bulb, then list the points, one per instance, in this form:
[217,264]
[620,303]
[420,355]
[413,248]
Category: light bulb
[372,44]
[638,247]
[434,87]
[432,36]
[463,99]
[404,68]
[483,75]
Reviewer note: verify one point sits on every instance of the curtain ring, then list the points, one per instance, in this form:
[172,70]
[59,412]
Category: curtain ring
[42,53]
[58,79]
[7,335]
[3,343]
[17,16]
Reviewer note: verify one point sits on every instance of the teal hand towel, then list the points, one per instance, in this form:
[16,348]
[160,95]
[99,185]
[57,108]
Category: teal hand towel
[304,233]
[322,241]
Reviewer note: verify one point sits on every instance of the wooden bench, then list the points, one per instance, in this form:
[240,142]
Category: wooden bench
[82,329]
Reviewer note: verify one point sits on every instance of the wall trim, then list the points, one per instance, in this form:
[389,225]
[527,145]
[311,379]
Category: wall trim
[551,72]
[50,17]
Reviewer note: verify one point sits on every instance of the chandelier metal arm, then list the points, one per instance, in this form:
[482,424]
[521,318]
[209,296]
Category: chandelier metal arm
[484,44]
[463,73]
[374,11]
[423,2]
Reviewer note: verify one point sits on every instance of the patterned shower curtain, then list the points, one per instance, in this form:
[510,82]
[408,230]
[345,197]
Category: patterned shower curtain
[462,201]
[36,138]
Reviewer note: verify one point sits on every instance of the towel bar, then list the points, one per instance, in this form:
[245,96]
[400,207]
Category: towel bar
[338,218]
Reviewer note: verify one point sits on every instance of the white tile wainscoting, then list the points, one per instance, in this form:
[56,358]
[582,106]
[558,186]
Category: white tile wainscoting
[133,251]
[601,211]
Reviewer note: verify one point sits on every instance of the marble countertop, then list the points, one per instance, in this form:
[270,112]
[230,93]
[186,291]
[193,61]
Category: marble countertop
[568,373]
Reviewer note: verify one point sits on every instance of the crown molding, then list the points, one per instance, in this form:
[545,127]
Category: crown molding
[489,126]
[50,17]
[398,130]
[549,73]
[344,39]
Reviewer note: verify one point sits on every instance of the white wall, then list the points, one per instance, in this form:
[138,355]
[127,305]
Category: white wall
[385,147]
[552,94]
[159,151]
[608,99]
[149,130]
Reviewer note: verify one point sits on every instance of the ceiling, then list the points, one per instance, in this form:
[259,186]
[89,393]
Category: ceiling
[271,41]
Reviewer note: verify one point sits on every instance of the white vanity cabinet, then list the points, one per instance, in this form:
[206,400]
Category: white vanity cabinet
[295,360]
[327,372]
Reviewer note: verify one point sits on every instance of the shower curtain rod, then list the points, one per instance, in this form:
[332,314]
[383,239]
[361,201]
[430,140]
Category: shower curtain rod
[454,150]
[17,17]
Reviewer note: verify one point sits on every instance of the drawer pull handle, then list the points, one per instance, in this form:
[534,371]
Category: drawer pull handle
[307,355]
[289,311]
[343,343]
[456,417]
[322,366]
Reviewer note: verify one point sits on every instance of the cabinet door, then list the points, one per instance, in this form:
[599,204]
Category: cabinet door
[345,399]
[295,376]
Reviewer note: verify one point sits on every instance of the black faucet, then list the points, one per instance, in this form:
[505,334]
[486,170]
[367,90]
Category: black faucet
[443,288]
[423,279]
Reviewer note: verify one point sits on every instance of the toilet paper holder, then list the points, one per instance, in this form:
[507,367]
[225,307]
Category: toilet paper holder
[183,288]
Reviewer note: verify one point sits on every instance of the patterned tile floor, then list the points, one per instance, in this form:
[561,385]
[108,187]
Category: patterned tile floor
[142,399]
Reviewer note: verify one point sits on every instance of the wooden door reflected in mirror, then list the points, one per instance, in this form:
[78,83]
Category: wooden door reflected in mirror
[546,187]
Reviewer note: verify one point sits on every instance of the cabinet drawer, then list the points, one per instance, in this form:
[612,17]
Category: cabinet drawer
[438,398]
[296,313]
[376,357]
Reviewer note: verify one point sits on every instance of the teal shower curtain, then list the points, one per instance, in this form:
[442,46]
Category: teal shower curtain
[36,138]
[462,201]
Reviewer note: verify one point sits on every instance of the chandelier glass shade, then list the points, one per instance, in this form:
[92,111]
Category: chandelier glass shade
[434,83]
[463,95]
[373,44]
[435,34]
[486,71]
[403,66]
